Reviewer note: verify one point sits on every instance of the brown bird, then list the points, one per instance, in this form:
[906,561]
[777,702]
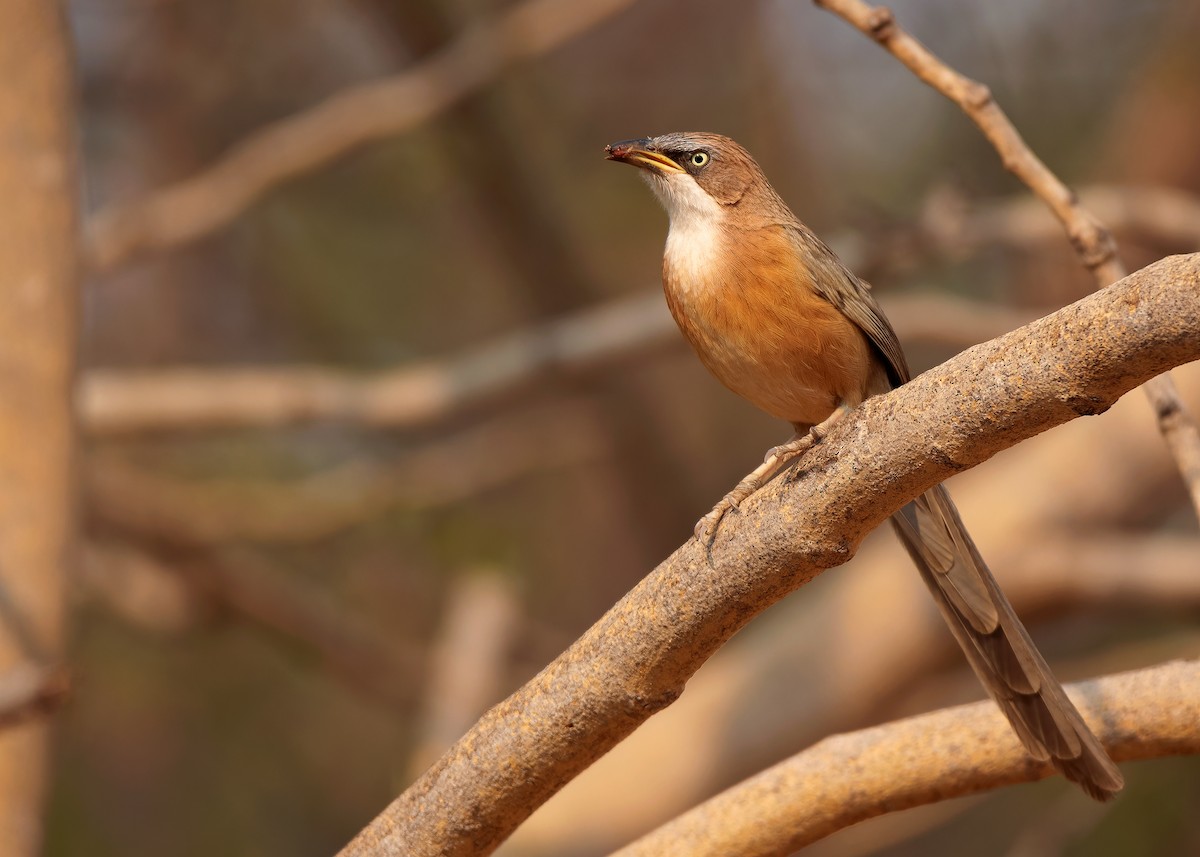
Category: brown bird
[776,316]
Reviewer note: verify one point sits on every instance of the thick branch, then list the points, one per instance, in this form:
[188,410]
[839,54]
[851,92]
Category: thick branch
[363,114]
[1094,244]
[636,659]
[959,751]
[869,647]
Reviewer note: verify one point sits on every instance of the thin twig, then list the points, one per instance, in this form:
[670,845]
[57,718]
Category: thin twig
[1095,245]
[846,779]
[289,148]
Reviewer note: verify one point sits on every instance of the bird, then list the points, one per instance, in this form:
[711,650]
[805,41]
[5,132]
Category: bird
[775,315]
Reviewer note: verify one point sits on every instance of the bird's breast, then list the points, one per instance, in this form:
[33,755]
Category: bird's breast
[745,301]
[694,253]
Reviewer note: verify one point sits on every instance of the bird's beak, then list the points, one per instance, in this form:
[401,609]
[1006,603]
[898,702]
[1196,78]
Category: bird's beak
[640,153]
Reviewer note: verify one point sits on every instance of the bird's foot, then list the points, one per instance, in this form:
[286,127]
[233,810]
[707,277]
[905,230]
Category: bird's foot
[706,527]
[777,458]
[786,453]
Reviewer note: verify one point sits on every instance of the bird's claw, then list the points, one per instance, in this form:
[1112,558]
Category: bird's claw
[778,457]
[706,527]
[794,447]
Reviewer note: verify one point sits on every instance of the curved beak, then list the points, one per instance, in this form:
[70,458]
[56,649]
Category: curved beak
[641,153]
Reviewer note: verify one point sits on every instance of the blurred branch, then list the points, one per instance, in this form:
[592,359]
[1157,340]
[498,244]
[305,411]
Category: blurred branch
[1103,568]
[199,513]
[468,663]
[636,659]
[28,692]
[1165,214]
[278,601]
[617,332]
[622,330]
[267,597]
[1095,245]
[307,141]
[951,321]
[483,149]
[846,779]
[139,588]
[485,146]
[950,225]
[1092,241]
[409,397]
[1058,572]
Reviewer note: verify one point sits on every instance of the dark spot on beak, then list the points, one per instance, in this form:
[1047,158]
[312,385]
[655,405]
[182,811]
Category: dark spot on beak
[619,150]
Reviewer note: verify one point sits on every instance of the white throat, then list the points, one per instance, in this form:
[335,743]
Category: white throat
[693,242]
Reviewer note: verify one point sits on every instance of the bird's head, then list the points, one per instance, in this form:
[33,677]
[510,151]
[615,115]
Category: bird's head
[697,174]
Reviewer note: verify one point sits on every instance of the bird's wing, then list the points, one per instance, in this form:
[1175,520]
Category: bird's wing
[837,284]
[997,645]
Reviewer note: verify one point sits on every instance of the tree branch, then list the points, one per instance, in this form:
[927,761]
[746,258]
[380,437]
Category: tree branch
[1094,244]
[28,691]
[1166,215]
[614,333]
[591,340]
[282,604]
[202,513]
[868,649]
[302,143]
[467,662]
[636,659]
[409,397]
[958,751]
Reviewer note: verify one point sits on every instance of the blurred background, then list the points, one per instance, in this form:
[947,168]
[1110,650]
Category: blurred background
[381,408]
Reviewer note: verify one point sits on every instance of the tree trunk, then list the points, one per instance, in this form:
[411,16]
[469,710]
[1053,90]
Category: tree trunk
[38,288]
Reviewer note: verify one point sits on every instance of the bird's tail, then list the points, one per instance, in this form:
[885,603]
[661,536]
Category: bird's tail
[998,646]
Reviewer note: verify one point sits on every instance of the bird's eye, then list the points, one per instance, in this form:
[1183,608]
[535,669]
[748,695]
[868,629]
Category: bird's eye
[699,159]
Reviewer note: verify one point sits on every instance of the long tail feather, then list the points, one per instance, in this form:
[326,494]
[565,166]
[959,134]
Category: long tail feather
[998,646]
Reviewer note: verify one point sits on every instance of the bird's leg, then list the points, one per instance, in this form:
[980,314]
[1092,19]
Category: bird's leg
[777,460]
